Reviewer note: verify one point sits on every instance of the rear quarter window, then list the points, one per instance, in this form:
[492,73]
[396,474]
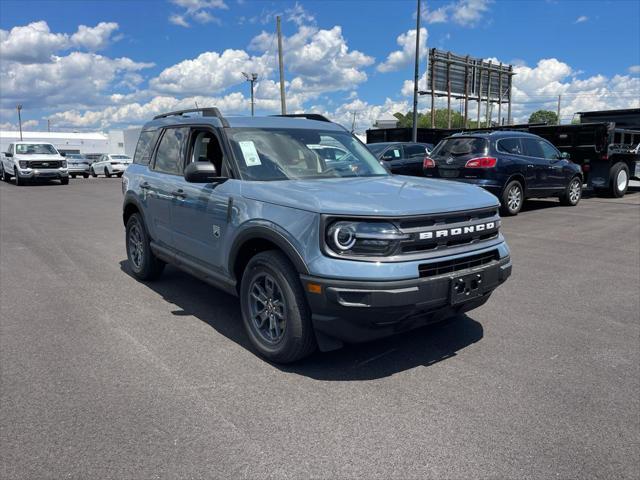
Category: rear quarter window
[145,145]
[510,145]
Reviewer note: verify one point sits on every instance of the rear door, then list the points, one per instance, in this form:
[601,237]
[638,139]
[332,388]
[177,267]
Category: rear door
[159,183]
[414,154]
[537,166]
[393,159]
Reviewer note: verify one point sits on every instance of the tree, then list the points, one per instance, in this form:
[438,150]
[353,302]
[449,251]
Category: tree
[405,120]
[544,116]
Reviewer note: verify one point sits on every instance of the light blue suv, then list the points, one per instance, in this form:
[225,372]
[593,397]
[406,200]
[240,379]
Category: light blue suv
[320,251]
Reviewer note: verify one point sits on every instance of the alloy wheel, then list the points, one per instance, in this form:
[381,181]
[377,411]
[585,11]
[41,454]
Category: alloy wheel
[575,191]
[136,246]
[622,179]
[267,308]
[514,198]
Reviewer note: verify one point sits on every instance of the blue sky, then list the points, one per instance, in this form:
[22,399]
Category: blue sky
[136,58]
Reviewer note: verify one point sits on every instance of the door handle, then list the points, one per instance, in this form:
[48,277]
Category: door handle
[179,193]
[145,186]
[529,166]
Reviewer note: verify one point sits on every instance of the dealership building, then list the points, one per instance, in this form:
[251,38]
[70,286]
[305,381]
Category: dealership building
[113,141]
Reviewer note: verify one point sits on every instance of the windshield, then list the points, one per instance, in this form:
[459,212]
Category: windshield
[35,149]
[75,156]
[458,146]
[289,154]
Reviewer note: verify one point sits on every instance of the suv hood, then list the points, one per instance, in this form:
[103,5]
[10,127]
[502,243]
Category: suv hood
[385,196]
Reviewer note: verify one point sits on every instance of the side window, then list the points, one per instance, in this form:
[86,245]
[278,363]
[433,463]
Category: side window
[10,148]
[411,151]
[393,153]
[532,148]
[205,147]
[170,151]
[510,145]
[549,151]
[145,145]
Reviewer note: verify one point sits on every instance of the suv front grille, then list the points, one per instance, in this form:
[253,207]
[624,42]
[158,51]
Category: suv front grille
[436,232]
[44,164]
[450,266]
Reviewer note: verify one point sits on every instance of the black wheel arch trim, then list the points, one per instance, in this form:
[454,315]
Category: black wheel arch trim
[131,199]
[267,233]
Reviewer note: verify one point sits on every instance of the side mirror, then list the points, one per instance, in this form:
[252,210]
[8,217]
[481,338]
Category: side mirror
[565,156]
[8,154]
[64,154]
[201,172]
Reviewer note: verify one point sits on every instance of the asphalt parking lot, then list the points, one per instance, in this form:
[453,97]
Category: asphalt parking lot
[106,377]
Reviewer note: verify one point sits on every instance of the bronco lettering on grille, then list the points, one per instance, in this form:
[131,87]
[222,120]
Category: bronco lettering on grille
[452,232]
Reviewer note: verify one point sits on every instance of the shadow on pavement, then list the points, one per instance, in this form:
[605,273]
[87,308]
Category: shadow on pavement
[421,347]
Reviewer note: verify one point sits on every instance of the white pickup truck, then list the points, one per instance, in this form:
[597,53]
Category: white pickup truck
[25,161]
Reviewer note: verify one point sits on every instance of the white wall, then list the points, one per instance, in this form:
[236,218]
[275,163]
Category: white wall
[84,142]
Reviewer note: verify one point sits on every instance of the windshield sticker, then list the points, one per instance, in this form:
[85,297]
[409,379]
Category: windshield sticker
[250,153]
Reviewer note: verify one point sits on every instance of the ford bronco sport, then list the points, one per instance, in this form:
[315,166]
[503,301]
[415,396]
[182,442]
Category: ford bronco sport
[319,251]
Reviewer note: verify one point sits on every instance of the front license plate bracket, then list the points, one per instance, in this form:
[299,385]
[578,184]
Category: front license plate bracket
[466,287]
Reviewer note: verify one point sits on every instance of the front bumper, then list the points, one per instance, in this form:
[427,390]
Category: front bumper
[358,311]
[43,173]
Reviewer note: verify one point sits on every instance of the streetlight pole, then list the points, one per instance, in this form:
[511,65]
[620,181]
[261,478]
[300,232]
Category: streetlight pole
[414,133]
[19,107]
[251,78]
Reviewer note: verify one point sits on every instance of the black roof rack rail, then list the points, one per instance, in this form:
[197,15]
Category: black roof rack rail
[206,112]
[308,116]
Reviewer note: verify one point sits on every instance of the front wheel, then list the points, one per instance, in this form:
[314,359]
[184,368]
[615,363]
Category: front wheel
[275,313]
[143,263]
[572,193]
[619,175]
[93,173]
[18,181]
[106,173]
[64,181]
[512,198]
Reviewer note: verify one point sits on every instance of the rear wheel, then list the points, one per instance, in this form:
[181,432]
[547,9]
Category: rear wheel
[275,313]
[119,174]
[85,175]
[5,176]
[512,198]
[572,193]
[106,173]
[143,263]
[73,175]
[64,181]
[93,173]
[619,175]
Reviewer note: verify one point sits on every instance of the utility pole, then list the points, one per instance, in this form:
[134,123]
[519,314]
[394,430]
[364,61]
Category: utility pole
[251,78]
[283,105]
[559,100]
[48,125]
[414,134]
[353,123]
[19,107]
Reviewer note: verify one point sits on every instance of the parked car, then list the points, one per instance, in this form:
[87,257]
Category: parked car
[27,161]
[110,164]
[317,255]
[401,158]
[93,157]
[511,165]
[77,165]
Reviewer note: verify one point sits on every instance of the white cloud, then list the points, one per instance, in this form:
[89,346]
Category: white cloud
[197,10]
[466,13]
[298,15]
[35,43]
[634,69]
[581,19]
[26,125]
[402,58]
[208,73]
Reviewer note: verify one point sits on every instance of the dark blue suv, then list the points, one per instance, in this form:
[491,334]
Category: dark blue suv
[511,165]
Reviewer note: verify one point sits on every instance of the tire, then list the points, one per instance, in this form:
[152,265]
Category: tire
[106,173]
[573,193]
[5,176]
[64,181]
[85,175]
[512,198]
[18,181]
[73,175]
[119,175]
[93,173]
[619,175]
[143,263]
[286,333]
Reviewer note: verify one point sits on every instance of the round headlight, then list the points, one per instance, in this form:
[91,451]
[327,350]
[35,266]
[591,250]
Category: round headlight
[343,235]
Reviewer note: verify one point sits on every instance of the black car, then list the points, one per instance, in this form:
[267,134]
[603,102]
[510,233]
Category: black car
[511,165]
[401,158]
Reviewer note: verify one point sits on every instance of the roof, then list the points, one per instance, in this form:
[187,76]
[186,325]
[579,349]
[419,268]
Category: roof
[493,134]
[247,122]
[610,112]
[26,136]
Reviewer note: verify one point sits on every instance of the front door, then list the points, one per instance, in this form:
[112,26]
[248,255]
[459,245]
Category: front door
[537,166]
[200,211]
